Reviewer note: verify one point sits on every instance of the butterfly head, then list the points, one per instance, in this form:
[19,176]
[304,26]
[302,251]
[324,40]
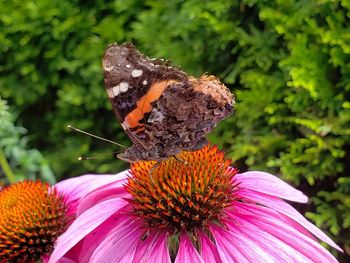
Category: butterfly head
[131,155]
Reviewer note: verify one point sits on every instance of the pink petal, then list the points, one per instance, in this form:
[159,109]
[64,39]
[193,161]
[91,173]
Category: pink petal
[287,220]
[208,250]
[278,250]
[75,188]
[45,259]
[153,249]
[84,224]
[94,238]
[73,254]
[65,260]
[109,191]
[286,209]
[187,252]
[120,244]
[233,247]
[227,251]
[269,184]
[264,225]
[62,260]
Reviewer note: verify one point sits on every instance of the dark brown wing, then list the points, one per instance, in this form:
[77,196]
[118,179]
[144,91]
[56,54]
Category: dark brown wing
[185,113]
[133,82]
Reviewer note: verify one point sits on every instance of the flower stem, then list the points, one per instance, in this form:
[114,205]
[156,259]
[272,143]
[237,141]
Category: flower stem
[6,168]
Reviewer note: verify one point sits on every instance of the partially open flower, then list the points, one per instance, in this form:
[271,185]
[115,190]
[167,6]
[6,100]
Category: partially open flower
[192,208]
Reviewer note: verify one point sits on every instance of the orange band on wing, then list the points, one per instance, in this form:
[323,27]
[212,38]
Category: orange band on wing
[140,129]
[143,105]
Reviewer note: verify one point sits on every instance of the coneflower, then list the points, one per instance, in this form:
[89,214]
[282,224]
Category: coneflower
[33,214]
[192,208]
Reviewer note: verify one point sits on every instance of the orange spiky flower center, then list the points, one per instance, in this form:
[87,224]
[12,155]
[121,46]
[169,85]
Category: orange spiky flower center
[32,216]
[183,193]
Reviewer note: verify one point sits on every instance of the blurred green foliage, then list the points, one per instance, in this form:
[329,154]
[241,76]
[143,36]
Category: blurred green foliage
[288,62]
[17,162]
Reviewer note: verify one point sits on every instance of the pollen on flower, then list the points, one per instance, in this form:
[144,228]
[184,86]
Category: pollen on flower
[32,216]
[183,193]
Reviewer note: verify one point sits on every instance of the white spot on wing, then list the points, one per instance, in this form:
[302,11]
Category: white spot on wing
[115,91]
[123,86]
[128,66]
[125,125]
[107,67]
[144,82]
[110,93]
[136,73]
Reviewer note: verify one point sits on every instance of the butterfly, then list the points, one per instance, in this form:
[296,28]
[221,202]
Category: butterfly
[162,109]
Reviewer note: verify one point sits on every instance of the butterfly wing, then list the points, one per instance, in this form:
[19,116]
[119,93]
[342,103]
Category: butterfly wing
[133,83]
[186,112]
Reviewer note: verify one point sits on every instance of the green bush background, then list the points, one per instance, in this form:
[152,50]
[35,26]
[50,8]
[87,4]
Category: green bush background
[288,62]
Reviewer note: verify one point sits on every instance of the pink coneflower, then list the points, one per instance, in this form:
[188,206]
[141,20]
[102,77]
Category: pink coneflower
[34,214]
[194,208]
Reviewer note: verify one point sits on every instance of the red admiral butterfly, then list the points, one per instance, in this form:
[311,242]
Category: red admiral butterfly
[161,108]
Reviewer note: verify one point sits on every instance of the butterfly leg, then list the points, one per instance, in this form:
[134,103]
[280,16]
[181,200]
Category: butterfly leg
[182,161]
[152,170]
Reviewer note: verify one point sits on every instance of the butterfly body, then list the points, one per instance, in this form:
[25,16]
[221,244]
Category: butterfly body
[162,109]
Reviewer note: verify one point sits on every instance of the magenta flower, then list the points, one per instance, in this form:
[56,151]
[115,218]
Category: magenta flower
[74,189]
[193,209]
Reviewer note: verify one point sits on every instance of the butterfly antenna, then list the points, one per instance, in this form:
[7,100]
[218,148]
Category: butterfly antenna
[95,136]
[152,170]
[84,158]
